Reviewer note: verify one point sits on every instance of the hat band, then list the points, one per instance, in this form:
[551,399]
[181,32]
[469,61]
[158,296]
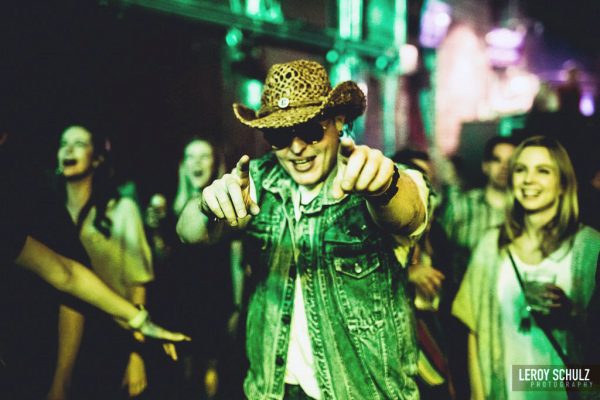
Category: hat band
[266,110]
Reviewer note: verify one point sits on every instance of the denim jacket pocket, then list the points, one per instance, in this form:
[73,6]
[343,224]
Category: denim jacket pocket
[358,281]
[352,248]
[356,267]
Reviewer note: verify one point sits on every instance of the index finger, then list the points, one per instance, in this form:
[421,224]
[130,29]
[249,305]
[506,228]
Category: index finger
[242,168]
[347,147]
[151,330]
[174,336]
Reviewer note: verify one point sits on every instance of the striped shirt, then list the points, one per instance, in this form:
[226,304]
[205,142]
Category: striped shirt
[466,218]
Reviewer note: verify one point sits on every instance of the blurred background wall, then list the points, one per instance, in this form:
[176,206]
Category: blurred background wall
[439,75]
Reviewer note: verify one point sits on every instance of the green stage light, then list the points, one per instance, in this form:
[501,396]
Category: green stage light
[251,93]
[234,37]
[253,8]
[381,62]
[332,56]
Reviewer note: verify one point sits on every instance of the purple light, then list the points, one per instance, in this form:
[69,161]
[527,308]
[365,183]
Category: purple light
[442,20]
[435,20]
[586,104]
[504,45]
[503,57]
[505,38]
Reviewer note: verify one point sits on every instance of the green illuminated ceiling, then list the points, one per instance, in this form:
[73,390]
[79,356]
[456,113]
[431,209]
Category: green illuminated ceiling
[252,16]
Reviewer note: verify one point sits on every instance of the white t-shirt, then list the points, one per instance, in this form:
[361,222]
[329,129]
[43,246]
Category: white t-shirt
[123,259]
[529,347]
[300,369]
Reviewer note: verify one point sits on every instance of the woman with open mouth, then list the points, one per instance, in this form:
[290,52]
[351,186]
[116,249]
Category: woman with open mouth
[108,365]
[199,285]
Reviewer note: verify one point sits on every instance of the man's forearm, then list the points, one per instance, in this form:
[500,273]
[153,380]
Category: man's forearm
[404,213]
[195,226]
[192,224]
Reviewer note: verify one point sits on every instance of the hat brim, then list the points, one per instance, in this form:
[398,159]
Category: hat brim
[345,98]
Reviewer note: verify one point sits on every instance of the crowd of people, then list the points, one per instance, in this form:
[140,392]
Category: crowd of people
[322,270]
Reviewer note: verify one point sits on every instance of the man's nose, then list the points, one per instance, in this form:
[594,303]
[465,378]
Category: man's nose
[298,145]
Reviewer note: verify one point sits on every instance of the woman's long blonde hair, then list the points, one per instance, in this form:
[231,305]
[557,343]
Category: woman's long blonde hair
[566,221]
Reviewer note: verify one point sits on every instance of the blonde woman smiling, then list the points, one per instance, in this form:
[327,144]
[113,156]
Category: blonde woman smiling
[526,292]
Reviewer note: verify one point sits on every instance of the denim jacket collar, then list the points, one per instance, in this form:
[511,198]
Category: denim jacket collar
[280,182]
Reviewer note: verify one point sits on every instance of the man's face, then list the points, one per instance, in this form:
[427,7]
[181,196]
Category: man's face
[309,164]
[496,169]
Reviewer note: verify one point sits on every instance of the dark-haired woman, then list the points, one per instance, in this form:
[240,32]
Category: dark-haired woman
[527,290]
[99,359]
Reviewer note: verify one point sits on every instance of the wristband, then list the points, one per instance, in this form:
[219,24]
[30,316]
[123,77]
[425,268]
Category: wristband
[384,198]
[139,319]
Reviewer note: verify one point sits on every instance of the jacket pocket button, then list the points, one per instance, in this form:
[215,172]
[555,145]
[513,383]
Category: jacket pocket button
[357,268]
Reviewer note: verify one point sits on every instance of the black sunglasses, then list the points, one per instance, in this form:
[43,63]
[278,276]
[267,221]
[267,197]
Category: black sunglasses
[311,132]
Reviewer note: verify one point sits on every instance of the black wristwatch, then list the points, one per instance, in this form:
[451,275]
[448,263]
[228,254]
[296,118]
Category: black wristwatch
[384,198]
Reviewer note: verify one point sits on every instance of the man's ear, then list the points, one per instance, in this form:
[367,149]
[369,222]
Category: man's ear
[339,122]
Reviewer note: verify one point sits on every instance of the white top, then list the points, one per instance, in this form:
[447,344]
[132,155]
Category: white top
[532,347]
[124,259]
[300,369]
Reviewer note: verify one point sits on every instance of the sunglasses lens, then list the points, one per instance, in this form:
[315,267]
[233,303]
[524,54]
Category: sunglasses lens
[310,132]
[277,139]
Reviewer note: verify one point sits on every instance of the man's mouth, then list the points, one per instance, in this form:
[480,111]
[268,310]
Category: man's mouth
[69,162]
[303,164]
[303,161]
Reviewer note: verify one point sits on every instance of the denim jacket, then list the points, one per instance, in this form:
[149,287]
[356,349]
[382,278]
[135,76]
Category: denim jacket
[360,320]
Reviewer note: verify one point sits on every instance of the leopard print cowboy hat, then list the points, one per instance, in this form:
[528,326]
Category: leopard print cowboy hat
[298,91]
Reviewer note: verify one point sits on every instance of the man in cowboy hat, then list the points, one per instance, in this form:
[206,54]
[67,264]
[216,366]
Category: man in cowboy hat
[328,225]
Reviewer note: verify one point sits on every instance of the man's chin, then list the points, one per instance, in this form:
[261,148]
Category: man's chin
[309,184]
